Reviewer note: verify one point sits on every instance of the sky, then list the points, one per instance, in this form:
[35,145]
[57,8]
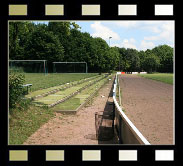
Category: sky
[140,35]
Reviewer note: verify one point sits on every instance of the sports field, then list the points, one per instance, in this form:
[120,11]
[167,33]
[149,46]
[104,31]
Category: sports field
[41,81]
[163,77]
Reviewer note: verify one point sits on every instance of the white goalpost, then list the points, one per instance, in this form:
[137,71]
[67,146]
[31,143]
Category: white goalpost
[29,66]
[70,67]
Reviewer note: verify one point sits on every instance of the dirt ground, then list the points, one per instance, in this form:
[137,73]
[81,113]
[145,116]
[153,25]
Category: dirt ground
[149,105]
[78,129]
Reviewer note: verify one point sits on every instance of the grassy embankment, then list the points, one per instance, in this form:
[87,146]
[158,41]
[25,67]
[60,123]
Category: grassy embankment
[163,77]
[26,118]
[80,98]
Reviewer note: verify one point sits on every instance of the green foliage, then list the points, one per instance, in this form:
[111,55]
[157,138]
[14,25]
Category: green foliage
[133,60]
[15,88]
[114,59]
[63,41]
[150,62]
[18,32]
[158,59]
[42,45]
[165,54]
[25,119]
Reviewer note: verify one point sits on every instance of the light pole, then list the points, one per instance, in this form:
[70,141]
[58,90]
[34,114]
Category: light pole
[109,41]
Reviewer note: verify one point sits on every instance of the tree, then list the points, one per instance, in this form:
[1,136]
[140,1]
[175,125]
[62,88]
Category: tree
[150,62]
[165,54]
[114,59]
[43,45]
[64,32]
[63,41]
[18,32]
[132,59]
[122,59]
[142,56]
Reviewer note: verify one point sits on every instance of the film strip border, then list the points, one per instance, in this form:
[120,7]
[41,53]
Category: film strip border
[85,10]
[78,10]
[90,10]
[89,155]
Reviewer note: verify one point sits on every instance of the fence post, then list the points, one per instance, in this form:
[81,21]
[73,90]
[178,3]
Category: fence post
[120,132]
[113,114]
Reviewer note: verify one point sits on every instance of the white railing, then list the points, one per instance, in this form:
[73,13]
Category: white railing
[127,132]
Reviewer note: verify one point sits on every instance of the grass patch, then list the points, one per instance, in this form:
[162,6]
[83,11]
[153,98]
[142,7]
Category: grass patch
[63,93]
[71,104]
[62,86]
[163,77]
[74,102]
[40,81]
[25,120]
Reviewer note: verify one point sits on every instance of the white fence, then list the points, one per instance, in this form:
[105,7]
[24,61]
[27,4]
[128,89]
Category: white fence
[127,132]
[135,73]
[143,72]
[131,72]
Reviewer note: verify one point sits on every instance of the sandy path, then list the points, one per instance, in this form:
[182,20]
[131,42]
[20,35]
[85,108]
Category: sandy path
[149,105]
[76,129]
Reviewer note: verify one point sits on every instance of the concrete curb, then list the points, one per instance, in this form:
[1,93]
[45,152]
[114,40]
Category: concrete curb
[86,102]
[73,94]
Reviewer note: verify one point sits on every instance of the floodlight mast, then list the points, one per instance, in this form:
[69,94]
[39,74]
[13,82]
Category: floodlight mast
[109,40]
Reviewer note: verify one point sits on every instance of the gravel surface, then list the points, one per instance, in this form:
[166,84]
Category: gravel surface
[78,129]
[149,105]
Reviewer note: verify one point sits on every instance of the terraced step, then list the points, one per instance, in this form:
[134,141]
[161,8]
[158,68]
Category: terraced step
[52,90]
[76,102]
[63,95]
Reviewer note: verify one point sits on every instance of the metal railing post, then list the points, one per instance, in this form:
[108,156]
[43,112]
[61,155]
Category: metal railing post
[113,116]
[120,130]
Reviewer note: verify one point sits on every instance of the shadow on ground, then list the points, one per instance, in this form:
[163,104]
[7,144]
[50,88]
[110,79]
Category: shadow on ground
[104,123]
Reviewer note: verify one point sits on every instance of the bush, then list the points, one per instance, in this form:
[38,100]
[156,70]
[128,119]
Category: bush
[15,88]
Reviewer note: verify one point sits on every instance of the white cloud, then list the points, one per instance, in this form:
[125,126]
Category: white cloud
[131,43]
[103,31]
[144,45]
[171,45]
[166,32]
[152,38]
[132,40]
[150,28]
[126,43]
[150,33]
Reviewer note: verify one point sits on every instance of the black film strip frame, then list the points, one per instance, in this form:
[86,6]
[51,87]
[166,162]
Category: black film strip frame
[73,154]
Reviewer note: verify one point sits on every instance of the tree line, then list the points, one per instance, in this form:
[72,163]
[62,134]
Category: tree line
[63,41]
